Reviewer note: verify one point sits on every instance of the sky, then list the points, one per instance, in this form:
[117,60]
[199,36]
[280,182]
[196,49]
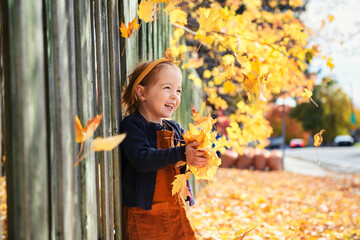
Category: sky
[339,40]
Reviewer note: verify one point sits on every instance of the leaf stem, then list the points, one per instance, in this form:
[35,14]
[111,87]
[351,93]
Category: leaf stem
[80,151]
[82,158]
[312,100]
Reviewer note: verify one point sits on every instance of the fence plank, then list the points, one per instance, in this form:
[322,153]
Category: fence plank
[62,117]
[115,92]
[103,83]
[85,105]
[25,122]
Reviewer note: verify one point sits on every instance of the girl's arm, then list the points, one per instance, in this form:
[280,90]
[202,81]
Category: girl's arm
[141,155]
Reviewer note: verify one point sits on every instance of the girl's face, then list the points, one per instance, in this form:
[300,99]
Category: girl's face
[160,100]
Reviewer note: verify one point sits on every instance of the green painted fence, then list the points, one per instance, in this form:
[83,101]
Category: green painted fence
[61,59]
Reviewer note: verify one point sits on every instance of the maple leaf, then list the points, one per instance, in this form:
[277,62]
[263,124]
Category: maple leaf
[208,19]
[145,11]
[318,138]
[82,134]
[126,32]
[107,144]
[180,185]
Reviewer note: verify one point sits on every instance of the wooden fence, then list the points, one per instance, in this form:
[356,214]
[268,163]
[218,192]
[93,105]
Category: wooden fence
[62,59]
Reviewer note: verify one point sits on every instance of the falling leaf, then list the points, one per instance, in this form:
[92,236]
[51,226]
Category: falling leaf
[107,144]
[318,138]
[145,11]
[180,185]
[330,18]
[82,134]
[126,32]
[307,94]
[329,63]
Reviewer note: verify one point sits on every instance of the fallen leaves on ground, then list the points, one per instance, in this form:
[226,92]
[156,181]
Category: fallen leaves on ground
[277,205]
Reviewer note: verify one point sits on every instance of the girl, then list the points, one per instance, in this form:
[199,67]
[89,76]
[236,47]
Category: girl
[149,154]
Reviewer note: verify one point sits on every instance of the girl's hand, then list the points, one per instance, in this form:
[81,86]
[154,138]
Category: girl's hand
[195,157]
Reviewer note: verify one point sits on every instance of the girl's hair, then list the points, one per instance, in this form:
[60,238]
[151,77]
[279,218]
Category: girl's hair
[129,104]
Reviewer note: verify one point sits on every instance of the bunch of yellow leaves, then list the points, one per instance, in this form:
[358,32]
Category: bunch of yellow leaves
[200,131]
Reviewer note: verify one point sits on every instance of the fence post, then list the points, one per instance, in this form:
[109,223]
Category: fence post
[85,105]
[104,103]
[25,121]
[115,93]
[61,114]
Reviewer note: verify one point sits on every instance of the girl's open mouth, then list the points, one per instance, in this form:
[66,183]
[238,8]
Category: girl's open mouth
[170,107]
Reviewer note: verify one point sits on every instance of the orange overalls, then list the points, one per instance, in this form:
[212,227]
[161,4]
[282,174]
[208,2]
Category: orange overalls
[167,218]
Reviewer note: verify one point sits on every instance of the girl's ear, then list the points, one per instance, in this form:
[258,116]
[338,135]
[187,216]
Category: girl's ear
[140,92]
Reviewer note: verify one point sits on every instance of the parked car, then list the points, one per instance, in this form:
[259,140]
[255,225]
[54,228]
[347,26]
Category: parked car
[343,140]
[297,142]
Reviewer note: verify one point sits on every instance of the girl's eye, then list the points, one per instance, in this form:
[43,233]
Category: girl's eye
[179,91]
[167,87]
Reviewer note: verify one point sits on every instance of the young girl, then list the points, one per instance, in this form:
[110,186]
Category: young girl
[149,154]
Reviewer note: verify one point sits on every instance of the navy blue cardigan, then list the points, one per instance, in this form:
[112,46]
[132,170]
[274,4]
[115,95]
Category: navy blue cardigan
[141,159]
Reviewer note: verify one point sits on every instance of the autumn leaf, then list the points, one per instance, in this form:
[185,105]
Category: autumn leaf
[180,185]
[107,144]
[208,19]
[330,18]
[126,32]
[241,234]
[145,11]
[178,16]
[307,94]
[318,138]
[82,134]
[329,63]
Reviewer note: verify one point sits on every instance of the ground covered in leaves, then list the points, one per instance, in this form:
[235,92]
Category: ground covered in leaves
[242,204]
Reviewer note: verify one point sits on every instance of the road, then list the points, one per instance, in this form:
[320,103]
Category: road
[338,159]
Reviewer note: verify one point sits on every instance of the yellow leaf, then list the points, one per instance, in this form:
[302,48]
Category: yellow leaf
[330,18]
[179,185]
[178,16]
[240,234]
[207,74]
[145,11]
[318,138]
[229,87]
[107,144]
[306,94]
[329,63]
[82,134]
[208,19]
[228,59]
[127,31]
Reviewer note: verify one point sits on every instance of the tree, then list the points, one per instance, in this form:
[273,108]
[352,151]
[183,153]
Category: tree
[294,128]
[333,113]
